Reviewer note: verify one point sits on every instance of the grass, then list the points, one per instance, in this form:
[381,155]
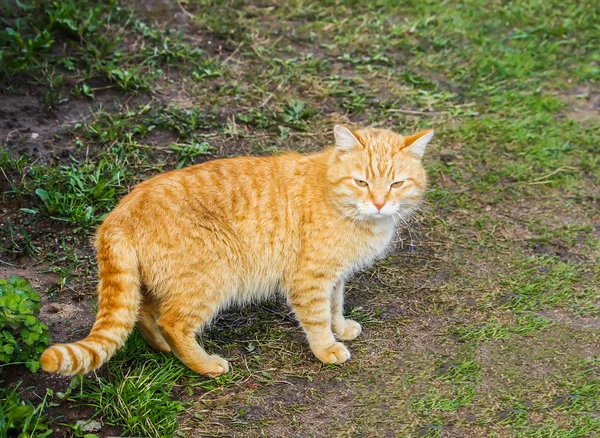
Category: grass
[136,395]
[469,326]
[18,415]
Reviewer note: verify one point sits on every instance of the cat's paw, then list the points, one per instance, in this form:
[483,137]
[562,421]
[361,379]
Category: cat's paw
[213,366]
[347,330]
[337,353]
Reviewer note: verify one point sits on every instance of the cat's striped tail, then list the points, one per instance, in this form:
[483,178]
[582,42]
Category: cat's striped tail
[119,301]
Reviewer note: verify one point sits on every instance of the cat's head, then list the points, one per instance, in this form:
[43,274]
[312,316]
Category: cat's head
[375,173]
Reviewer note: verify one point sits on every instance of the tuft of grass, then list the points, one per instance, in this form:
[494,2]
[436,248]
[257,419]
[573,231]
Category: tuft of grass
[19,417]
[488,331]
[460,372]
[187,152]
[137,394]
[581,427]
[460,380]
[492,329]
[435,401]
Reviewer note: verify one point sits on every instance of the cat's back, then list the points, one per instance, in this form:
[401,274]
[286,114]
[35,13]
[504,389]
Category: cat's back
[228,174]
[246,209]
[253,192]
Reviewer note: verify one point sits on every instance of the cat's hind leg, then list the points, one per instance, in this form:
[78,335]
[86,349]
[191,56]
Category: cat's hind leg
[183,315]
[180,333]
[149,328]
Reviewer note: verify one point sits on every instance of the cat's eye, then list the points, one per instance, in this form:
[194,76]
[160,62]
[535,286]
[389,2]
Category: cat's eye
[360,182]
[397,184]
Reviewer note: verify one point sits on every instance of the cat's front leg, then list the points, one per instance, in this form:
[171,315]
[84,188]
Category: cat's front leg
[310,297]
[344,329]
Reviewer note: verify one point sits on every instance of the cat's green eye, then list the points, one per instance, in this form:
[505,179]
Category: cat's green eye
[397,184]
[360,182]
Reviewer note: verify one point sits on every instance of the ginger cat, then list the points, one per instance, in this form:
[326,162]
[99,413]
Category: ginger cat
[188,243]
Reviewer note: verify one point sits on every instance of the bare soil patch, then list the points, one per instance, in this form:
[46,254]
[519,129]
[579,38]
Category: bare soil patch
[583,104]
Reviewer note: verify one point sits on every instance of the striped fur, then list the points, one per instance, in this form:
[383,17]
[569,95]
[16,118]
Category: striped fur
[185,244]
[119,300]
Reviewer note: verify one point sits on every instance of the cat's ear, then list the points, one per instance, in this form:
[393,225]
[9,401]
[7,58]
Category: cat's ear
[417,143]
[345,140]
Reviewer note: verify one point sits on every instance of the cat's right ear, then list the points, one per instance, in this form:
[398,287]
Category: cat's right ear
[345,140]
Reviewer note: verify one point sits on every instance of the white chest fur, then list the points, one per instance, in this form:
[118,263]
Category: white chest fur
[363,248]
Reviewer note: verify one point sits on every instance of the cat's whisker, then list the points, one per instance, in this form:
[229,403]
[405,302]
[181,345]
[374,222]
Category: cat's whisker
[407,225]
[345,215]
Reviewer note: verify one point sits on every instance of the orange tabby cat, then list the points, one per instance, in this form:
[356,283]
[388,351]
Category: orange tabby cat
[185,244]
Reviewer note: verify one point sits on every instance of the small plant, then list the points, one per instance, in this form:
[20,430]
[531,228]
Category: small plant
[355,103]
[182,121]
[79,194]
[188,151]
[207,72]
[78,430]
[84,90]
[296,113]
[128,80]
[259,118]
[23,336]
[19,417]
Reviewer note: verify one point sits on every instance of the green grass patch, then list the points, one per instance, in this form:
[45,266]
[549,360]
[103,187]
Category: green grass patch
[584,426]
[19,417]
[136,394]
[493,329]
[542,282]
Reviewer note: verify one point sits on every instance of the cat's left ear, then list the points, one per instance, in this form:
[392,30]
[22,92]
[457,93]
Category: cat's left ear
[417,143]
[345,140]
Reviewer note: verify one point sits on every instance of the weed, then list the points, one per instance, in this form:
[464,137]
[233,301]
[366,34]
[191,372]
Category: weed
[84,90]
[296,113]
[23,336]
[183,121]
[128,80]
[80,194]
[186,153]
[18,416]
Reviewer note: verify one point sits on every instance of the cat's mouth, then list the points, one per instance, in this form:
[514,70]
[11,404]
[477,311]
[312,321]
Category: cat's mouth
[379,214]
[372,211]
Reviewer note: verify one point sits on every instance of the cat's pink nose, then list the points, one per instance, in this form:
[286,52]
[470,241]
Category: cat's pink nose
[378,205]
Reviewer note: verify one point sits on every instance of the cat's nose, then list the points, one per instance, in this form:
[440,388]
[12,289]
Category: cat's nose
[378,205]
